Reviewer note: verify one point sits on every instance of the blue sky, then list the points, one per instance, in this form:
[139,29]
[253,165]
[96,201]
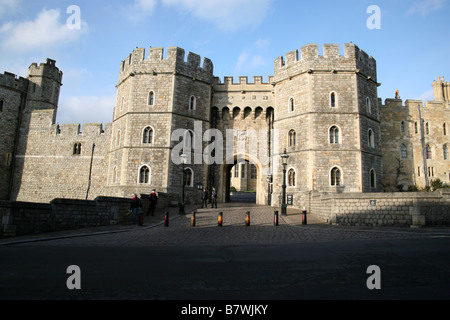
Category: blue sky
[241,37]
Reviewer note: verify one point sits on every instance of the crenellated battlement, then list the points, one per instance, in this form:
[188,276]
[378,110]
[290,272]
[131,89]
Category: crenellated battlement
[352,59]
[12,81]
[174,62]
[47,69]
[243,80]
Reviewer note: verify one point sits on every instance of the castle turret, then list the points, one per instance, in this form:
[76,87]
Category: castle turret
[155,97]
[441,90]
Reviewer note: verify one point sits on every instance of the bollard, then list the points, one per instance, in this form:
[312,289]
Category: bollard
[141,219]
[247,220]
[304,219]
[220,219]
[166,220]
[275,221]
[193,218]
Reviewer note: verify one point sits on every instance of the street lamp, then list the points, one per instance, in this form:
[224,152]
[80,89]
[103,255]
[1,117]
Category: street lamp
[284,159]
[269,193]
[181,204]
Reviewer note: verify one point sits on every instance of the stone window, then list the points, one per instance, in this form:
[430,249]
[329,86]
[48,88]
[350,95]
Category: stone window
[333,100]
[253,172]
[428,151]
[8,159]
[334,135]
[373,179]
[193,103]
[188,177]
[147,136]
[404,152]
[2,104]
[144,175]
[292,138]
[291,105]
[114,177]
[236,171]
[418,171]
[368,105]
[444,127]
[336,177]
[77,149]
[431,171]
[243,171]
[151,98]
[118,138]
[371,138]
[188,141]
[402,125]
[416,128]
[445,152]
[291,178]
[427,128]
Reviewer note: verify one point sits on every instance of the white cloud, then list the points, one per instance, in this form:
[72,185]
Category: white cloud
[227,15]
[8,6]
[248,61]
[47,30]
[426,6]
[140,9]
[427,96]
[86,109]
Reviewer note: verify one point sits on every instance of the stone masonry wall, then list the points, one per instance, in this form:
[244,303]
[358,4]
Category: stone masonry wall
[25,218]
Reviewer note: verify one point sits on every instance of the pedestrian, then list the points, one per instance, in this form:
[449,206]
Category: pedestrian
[135,206]
[214,198]
[153,201]
[204,198]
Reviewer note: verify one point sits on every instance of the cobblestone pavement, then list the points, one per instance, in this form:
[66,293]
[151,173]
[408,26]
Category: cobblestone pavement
[234,232]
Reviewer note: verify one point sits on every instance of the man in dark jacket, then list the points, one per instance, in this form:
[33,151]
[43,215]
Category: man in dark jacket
[204,198]
[214,198]
[153,201]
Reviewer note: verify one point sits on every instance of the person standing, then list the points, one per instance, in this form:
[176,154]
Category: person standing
[214,198]
[135,206]
[204,198]
[153,201]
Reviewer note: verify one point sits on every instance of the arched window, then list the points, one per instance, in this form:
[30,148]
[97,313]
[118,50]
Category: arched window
[192,103]
[333,100]
[114,177]
[118,138]
[334,135]
[188,177]
[291,105]
[404,152]
[368,105]
[144,175]
[151,98]
[292,138]
[402,126]
[147,136]
[291,178]
[188,141]
[373,179]
[445,152]
[371,138]
[336,178]
[428,152]
[77,148]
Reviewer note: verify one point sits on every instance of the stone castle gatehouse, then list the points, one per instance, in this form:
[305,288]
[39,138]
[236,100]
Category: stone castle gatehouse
[323,110]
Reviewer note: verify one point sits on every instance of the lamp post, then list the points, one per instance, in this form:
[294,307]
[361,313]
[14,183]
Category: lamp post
[284,158]
[269,193]
[181,204]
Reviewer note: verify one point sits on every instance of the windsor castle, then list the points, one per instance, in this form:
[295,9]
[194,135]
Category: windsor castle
[323,110]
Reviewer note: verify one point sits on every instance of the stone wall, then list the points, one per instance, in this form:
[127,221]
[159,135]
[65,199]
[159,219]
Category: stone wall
[382,209]
[24,218]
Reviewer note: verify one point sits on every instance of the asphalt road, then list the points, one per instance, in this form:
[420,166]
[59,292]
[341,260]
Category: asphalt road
[232,263]
[409,269]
